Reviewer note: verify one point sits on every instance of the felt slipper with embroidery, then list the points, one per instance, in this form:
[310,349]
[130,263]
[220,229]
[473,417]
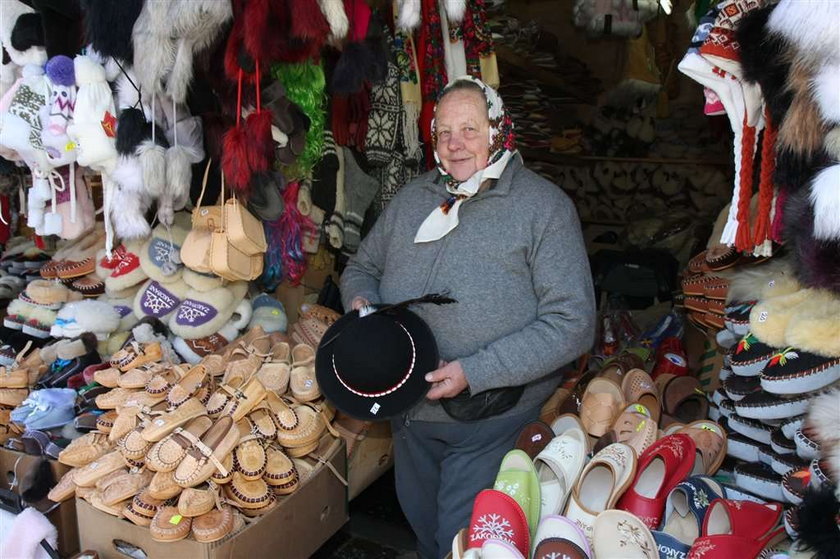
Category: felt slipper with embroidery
[795,485]
[796,371]
[737,318]
[763,405]
[685,511]
[752,428]
[491,509]
[603,481]
[737,387]
[518,478]
[737,528]
[751,356]
[558,467]
[202,313]
[159,300]
[780,443]
[759,479]
[661,467]
[616,533]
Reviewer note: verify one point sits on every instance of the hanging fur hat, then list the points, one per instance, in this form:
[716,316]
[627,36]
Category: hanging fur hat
[21,34]
[408,17]
[108,26]
[166,37]
[826,87]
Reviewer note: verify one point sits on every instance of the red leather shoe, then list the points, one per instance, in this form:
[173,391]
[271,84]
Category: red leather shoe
[497,516]
[738,529]
[661,467]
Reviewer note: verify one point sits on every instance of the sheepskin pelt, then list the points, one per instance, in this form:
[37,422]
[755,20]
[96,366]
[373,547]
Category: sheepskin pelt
[751,283]
[810,25]
[816,263]
[802,131]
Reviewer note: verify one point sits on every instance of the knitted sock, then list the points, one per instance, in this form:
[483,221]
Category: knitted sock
[360,189]
[335,227]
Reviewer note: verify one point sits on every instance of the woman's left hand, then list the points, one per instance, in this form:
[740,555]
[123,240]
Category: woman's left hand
[447,381]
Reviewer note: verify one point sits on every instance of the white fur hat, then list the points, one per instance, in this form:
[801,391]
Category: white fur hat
[12,11]
[79,317]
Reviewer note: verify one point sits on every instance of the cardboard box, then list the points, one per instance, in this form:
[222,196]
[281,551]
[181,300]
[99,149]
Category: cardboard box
[299,525]
[15,466]
[371,458]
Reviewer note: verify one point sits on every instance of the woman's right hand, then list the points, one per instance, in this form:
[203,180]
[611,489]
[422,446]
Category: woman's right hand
[359,302]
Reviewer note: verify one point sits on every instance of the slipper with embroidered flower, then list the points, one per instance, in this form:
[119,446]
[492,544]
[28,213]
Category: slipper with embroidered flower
[166,454]
[616,533]
[738,529]
[205,456]
[168,422]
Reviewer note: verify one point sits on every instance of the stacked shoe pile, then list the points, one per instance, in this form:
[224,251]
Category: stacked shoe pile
[187,450]
[788,356]
[19,264]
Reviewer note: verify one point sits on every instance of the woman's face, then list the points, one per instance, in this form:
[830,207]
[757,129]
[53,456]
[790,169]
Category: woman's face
[463,141]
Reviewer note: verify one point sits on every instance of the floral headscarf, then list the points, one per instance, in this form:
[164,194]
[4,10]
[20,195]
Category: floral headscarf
[502,147]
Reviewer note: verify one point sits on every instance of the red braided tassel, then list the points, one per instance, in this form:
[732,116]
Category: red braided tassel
[743,242]
[765,185]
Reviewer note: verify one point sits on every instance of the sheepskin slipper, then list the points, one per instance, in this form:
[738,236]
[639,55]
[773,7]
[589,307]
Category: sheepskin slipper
[50,294]
[193,351]
[127,271]
[769,318]
[85,316]
[159,300]
[201,282]
[201,314]
[160,255]
[123,307]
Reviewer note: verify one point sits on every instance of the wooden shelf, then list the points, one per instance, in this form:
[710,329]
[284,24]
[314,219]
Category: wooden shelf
[518,64]
[571,159]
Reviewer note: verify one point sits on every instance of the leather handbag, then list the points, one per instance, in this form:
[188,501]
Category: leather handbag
[195,251]
[245,232]
[226,259]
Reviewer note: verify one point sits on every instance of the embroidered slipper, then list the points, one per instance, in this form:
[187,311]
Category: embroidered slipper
[196,501]
[738,528]
[752,428]
[163,486]
[280,472]
[261,422]
[616,533]
[166,454]
[85,449]
[133,446]
[638,387]
[205,456]
[795,371]
[763,405]
[710,442]
[795,485]
[307,432]
[602,402]
[492,509]
[685,511]
[248,494]
[249,458]
[558,467]
[169,526]
[64,489]
[142,509]
[661,467]
[126,271]
[88,475]
[751,356]
[737,318]
[727,408]
[518,478]
[203,313]
[168,422]
[603,481]
[759,479]
[560,529]
[737,387]
[214,525]
[159,300]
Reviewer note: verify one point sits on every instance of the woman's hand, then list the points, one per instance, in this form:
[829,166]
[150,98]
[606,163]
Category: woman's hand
[447,380]
[359,302]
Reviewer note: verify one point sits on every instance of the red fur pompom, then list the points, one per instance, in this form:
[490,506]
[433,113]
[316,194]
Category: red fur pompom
[308,21]
[260,144]
[235,158]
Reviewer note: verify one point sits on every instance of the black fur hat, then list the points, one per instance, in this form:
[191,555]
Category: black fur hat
[108,26]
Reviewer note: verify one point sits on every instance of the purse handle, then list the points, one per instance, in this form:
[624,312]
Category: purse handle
[204,183]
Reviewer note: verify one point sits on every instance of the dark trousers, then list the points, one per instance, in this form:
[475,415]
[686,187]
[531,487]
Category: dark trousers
[441,467]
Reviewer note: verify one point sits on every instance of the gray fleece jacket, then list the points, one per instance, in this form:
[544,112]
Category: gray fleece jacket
[517,266]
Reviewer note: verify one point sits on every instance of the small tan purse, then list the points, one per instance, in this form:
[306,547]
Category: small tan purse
[245,231]
[195,252]
[225,258]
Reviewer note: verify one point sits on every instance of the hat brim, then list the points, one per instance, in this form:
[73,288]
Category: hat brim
[378,408]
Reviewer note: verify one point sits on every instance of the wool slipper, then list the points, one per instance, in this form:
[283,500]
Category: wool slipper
[760,480]
[160,255]
[794,371]
[159,300]
[50,294]
[769,319]
[127,272]
[79,317]
[123,307]
[201,282]
[203,313]
[751,356]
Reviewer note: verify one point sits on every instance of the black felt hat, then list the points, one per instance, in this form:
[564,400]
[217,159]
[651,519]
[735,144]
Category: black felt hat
[372,366]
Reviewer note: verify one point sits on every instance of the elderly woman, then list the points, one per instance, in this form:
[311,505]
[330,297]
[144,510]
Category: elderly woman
[507,245]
